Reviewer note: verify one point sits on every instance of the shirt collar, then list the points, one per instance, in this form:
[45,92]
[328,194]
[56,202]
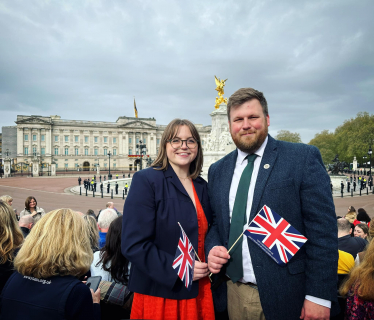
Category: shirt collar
[259,152]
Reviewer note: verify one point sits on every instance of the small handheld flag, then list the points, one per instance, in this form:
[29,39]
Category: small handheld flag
[184,260]
[275,235]
[136,110]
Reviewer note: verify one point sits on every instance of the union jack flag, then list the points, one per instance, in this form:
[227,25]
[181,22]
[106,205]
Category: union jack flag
[275,235]
[184,260]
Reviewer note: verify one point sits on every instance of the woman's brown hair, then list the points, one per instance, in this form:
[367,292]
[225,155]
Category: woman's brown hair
[161,162]
[10,234]
[361,278]
[27,202]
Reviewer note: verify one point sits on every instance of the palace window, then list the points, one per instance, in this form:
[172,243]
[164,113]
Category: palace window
[86,139]
[43,137]
[114,152]
[66,151]
[66,138]
[56,138]
[130,140]
[42,151]
[76,138]
[105,152]
[130,151]
[86,151]
[105,139]
[96,138]
[76,151]
[26,151]
[56,151]
[114,140]
[96,151]
[26,137]
[34,137]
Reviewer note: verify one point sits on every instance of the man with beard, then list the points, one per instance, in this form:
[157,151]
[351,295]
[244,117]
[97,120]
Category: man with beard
[289,178]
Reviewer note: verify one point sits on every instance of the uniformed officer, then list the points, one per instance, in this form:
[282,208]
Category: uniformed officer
[79,180]
[126,187]
[107,187]
[342,187]
[354,185]
[116,188]
[348,186]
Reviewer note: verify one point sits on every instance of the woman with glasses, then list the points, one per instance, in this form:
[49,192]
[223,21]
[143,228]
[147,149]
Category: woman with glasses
[168,193]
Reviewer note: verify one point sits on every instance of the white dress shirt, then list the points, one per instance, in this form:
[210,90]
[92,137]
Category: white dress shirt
[241,163]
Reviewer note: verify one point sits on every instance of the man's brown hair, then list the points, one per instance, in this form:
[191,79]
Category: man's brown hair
[246,94]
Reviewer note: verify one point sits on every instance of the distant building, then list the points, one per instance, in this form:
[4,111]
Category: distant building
[81,145]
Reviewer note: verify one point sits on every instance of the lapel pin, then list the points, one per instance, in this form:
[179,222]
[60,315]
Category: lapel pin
[266,166]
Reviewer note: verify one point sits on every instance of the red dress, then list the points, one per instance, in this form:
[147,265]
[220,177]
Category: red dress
[199,308]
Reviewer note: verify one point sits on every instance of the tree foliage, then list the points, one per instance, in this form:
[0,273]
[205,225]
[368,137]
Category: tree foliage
[285,135]
[325,142]
[351,139]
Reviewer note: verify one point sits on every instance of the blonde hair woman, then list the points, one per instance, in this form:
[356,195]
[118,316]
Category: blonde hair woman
[10,239]
[55,254]
[7,199]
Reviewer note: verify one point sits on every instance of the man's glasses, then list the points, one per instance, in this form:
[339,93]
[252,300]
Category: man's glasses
[177,143]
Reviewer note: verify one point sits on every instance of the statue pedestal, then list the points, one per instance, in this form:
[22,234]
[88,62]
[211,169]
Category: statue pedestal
[354,168]
[53,169]
[35,168]
[219,141]
[7,168]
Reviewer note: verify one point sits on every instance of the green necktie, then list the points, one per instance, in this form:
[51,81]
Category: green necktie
[238,220]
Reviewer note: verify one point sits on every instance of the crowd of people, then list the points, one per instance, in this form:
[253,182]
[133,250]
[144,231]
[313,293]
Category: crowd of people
[144,256]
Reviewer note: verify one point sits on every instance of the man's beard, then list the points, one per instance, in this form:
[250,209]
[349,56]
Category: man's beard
[251,143]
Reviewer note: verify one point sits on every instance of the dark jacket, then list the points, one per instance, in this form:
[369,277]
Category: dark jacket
[292,181]
[352,245]
[157,201]
[29,298]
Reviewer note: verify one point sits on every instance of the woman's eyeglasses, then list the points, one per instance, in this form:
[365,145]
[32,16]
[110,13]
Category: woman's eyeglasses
[177,143]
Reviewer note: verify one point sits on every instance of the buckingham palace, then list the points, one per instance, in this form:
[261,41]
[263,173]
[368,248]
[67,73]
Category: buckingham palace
[84,145]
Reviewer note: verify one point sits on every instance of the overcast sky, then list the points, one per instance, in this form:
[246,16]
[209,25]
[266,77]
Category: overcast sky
[86,60]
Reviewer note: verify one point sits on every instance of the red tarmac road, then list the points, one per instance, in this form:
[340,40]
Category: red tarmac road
[49,192]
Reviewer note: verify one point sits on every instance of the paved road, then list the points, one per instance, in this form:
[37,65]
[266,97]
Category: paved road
[49,192]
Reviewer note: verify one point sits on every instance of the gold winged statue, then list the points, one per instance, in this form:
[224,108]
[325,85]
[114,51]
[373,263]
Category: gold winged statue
[220,99]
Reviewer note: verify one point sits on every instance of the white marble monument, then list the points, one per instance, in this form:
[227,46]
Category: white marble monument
[218,142]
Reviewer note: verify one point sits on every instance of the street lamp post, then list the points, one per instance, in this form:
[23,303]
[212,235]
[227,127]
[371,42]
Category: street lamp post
[369,153]
[142,149]
[109,175]
[364,158]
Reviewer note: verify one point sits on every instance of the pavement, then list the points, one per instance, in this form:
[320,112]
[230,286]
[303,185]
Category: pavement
[54,192]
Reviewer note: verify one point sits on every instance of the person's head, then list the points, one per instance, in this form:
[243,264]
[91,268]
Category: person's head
[105,219]
[185,154]
[362,277]
[110,205]
[7,199]
[344,227]
[351,216]
[91,213]
[361,230]
[93,231]
[26,221]
[30,203]
[351,209]
[111,257]
[11,236]
[363,216]
[57,245]
[248,116]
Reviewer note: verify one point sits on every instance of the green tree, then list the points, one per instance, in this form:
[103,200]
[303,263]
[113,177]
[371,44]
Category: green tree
[354,137]
[285,135]
[325,142]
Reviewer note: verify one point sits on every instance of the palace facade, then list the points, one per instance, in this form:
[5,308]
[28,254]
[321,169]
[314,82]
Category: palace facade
[83,145]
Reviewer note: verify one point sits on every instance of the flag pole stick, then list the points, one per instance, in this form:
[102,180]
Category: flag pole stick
[197,256]
[228,251]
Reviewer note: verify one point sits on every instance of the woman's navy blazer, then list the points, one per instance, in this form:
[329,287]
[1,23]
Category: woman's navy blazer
[156,202]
